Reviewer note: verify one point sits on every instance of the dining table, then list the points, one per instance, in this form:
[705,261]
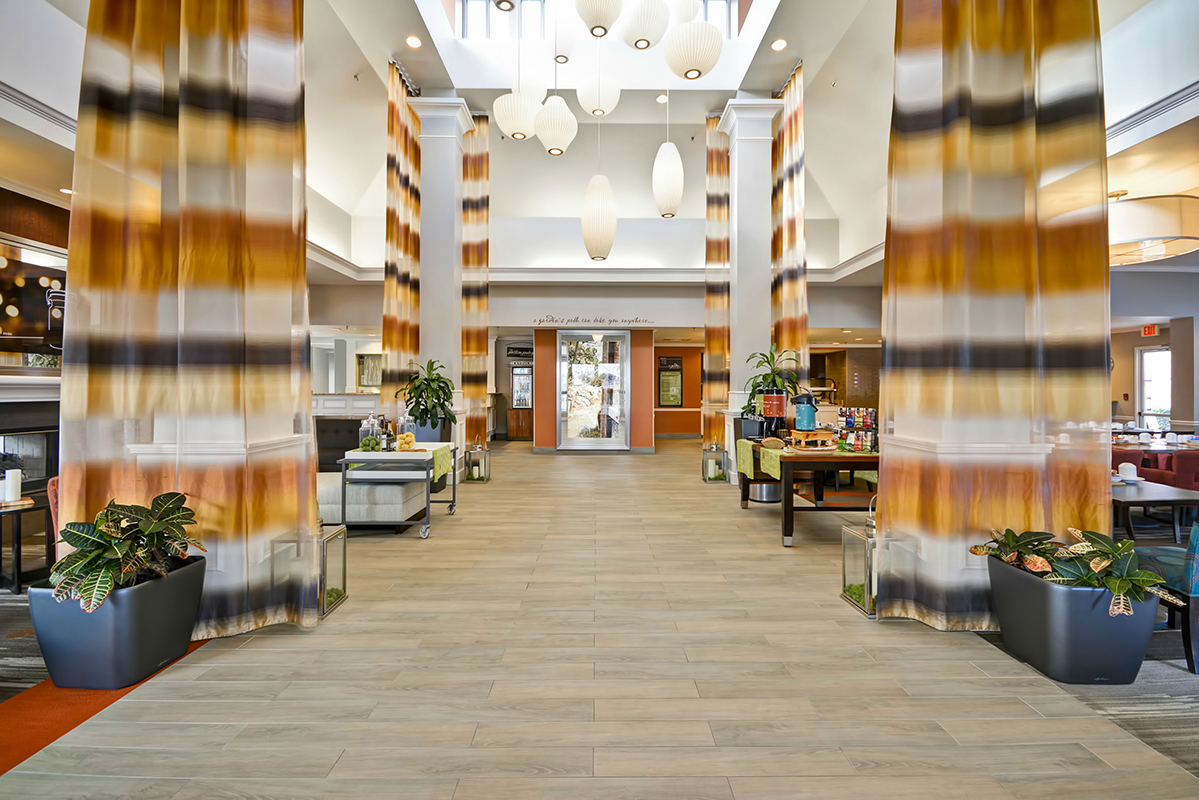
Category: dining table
[1145,494]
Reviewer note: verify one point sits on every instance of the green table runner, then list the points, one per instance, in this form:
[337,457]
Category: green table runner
[769,460]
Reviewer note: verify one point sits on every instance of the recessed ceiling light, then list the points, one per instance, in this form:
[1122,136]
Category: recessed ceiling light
[858,339]
[67,191]
[846,330]
[413,41]
[562,58]
[663,99]
[779,44]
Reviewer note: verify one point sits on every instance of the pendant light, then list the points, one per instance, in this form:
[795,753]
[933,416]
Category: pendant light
[1144,229]
[556,125]
[505,5]
[647,25]
[668,175]
[598,15]
[693,48]
[599,218]
[516,112]
[599,208]
[597,99]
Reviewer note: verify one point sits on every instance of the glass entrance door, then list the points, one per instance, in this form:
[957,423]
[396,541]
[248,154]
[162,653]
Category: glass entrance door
[593,390]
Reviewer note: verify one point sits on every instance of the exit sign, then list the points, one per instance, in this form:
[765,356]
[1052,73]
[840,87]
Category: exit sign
[1149,330]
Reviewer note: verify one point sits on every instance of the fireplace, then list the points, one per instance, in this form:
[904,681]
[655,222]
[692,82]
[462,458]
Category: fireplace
[29,442]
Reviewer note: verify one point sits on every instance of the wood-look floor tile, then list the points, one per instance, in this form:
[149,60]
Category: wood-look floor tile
[526,655]
[966,759]
[705,708]
[981,687]
[595,789]
[657,762]
[353,734]
[469,762]
[829,687]
[593,734]
[923,708]
[310,789]
[699,670]
[1033,731]
[958,787]
[509,691]
[261,711]
[482,711]
[149,762]
[1128,754]
[183,735]
[69,787]
[1154,783]
[827,733]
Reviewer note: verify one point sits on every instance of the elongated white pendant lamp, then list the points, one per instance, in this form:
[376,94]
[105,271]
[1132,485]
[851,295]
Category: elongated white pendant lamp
[647,25]
[599,218]
[668,175]
[556,125]
[693,48]
[598,15]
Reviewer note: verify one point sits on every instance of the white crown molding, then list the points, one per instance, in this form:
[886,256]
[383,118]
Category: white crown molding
[864,259]
[36,107]
[343,266]
[452,108]
[599,275]
[53,198]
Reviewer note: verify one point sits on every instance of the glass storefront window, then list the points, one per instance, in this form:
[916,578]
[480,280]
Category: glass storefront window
[593,389]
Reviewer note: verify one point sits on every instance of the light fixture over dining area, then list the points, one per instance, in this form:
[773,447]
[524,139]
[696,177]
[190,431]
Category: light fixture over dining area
[598,15]
[1146,229]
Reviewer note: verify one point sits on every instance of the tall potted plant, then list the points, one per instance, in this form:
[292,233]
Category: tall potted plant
[135,594]
[429,396]
[776,381]
[1077,612]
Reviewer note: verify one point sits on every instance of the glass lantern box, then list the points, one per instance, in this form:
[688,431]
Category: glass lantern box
[478,465]
[715,465]
[332,543]
[859,580]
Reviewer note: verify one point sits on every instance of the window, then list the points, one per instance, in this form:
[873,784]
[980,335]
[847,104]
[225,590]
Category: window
[482,20]
[720,14]
[1153,388]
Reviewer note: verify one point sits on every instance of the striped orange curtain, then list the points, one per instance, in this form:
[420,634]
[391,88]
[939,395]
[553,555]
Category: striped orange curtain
[789,265]
[476,200]
[716,288]
[996,392]
[401,277]
[185,358]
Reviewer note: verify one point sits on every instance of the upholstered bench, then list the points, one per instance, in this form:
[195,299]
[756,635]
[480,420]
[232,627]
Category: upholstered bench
[368,503]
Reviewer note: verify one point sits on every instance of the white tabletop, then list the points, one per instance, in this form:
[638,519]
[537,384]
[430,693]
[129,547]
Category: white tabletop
[422,451]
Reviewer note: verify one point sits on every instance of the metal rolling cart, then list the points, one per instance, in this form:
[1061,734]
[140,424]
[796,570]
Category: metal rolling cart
[400,466]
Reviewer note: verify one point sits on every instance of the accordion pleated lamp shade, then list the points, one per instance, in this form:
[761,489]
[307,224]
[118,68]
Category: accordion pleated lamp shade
[693,48]
[668,180]
[647,24]
[556,125]
[597,99]
[598,15]
[599,218]
[516,114]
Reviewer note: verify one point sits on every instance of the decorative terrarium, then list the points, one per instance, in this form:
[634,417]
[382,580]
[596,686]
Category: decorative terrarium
[332,543]
[714,467]
[478,465]
[858,579]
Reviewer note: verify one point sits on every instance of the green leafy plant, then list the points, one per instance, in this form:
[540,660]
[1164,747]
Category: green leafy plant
[1093,561]
[126,545]
[774,373]
[429,394]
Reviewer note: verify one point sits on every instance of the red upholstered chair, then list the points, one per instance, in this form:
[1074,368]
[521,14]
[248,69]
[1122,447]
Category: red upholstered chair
[1186,469]
[1127,457]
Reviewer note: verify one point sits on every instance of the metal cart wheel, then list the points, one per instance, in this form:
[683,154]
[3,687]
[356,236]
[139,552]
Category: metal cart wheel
[424,531]
[453,507]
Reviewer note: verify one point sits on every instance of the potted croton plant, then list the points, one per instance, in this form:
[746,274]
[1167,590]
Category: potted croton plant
[123,603]
[1077,611]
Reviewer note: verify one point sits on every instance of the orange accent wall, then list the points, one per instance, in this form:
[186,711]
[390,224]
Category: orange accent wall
[680,420]
[644,387]
[545,388]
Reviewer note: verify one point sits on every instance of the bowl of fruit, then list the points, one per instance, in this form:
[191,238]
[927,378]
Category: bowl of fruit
[406,441]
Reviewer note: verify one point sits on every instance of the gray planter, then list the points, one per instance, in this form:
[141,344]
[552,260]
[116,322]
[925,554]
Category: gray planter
[137,631]
[1065,632]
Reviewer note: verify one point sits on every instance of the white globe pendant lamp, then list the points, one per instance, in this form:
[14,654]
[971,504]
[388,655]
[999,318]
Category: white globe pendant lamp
[598,15]
[599,218]
[516,114]
[556,125]
[598,100]
[693,48]
[647,25]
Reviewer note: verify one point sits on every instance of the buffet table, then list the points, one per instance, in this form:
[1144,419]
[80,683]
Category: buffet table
[424,464]
[790,461]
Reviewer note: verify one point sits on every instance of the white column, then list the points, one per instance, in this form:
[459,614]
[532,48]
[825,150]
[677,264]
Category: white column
[443,121]
[750,127]
[1184,368]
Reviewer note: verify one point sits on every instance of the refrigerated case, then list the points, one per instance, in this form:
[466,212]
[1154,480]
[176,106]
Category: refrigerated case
[522,387]
[593,390]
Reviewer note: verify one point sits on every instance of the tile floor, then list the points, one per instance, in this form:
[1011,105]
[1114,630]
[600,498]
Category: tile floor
[600,627]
